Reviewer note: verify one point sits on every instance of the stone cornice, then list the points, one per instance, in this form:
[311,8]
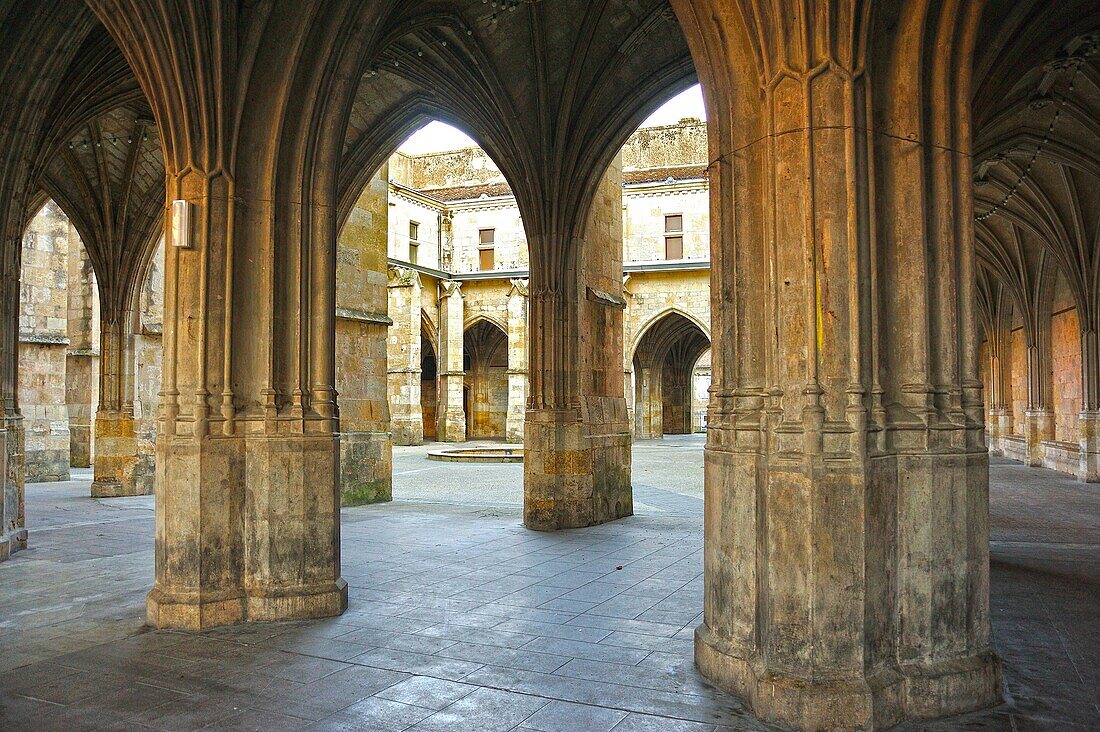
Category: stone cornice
[363,316]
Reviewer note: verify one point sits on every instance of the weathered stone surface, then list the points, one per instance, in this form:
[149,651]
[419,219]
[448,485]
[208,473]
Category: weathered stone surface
[361,349]
[577,461]
[404,358]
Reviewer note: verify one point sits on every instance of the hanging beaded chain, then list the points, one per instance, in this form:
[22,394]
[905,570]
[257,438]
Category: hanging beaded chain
[1076,62]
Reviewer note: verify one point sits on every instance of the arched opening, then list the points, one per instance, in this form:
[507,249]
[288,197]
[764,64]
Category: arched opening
[664,362]
[485,347]
[58,376]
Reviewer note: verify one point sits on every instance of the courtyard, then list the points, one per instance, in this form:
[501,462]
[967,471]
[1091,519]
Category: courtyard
[460,618]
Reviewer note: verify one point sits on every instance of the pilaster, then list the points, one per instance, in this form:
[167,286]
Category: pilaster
[648,403]
[1088,425]
[1038,428]
[517,360]
[403,357]
[452,414]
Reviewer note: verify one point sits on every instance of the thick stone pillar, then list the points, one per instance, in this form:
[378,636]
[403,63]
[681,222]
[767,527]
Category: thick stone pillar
[13,523]
[403,357]
[648,403]
[676,386]
[148,347]
[82,363]
[247,450]
[366,452]
[995,312]
[846,503]
[576,468]
[452,414]
[116,441]
[247,510]
[517,361]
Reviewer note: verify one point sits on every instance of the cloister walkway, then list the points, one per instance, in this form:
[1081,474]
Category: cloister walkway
[462,619]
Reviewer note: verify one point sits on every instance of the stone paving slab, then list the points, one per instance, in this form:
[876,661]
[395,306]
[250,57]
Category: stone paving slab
[462,619]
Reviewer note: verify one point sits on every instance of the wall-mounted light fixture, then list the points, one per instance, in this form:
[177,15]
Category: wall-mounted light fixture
[181,224]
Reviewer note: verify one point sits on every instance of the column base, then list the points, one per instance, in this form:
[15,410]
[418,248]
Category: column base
[12,542]
[366,468]
[113,488]
[452,428]
[116,457]
[195,611]
[887,698]
[573,479]
[406,431]
[1089,447]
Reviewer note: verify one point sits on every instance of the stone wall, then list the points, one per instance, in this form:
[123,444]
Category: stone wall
[468,167]
[432,247]
[44,342]
[82,363]
[510,239]
[361,349]
[666,146]
[486,381]
[644,211]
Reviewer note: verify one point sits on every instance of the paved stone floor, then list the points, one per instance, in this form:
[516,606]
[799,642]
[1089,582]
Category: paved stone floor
[461,619]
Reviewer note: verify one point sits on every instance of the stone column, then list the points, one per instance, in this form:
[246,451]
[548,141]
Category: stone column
[116,455]
[1039,416]
[576,469]
[82,363]
[452,415]
[517,361]
[366,452]
[13,523]
[648,403]
[1089,419]
[403,357]
[995,311]
[846,518]
[676,386]
[247,442]
[148,347]
[1000,393]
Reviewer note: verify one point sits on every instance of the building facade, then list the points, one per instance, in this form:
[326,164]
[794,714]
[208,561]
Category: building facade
[458,292]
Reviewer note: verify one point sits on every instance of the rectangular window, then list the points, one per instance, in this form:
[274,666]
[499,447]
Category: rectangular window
[486,249]
[485,259]
[674,236]
[674,247]
[414,241]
